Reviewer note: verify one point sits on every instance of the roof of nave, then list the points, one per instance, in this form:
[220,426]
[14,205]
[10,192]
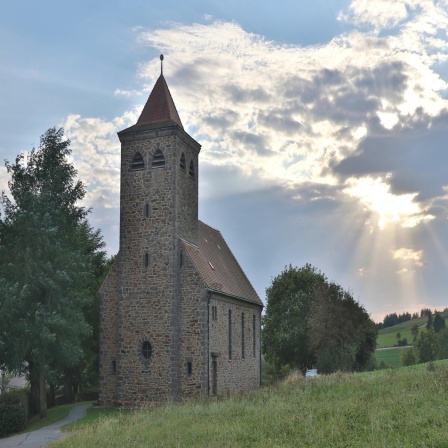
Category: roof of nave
[217,265]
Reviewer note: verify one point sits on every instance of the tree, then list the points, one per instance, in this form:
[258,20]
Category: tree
[47,252]
[407,357]
[442,339]
[430,322]
[311,321]
[285,339]
[439,323]
[414,331]
[426,346]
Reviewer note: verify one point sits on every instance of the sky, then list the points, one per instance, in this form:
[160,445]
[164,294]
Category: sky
[324,125]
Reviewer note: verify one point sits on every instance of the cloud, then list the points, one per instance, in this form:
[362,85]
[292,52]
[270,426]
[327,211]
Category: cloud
[408,255]
[339,147]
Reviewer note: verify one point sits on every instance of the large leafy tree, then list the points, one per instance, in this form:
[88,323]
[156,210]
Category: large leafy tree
[47,256]
[311,321]
[285,338]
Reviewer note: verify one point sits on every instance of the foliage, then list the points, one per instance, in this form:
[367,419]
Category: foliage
[48,253]
[408,357]
[372,411]
[439,323]
[13,412]
[442,339]
[426,346]
[394,319]
[430,322]
[285,338]
[310,320]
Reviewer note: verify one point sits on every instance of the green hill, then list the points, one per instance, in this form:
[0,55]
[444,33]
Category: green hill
[387,337]
[400,408]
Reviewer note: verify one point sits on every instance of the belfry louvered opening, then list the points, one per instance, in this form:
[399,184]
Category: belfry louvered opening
[191,170]
[183,164]
[137,162]
[158,161]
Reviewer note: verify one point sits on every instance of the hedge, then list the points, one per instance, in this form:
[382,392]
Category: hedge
[13,412]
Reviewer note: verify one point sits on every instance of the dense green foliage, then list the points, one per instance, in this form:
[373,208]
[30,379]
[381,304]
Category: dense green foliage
[311,321]
[13,412]
[389,408]
[49,256]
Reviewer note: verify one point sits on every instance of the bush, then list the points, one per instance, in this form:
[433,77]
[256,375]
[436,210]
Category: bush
[408,357]
[13,412]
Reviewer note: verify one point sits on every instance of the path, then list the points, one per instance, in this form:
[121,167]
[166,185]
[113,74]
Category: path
[43,436]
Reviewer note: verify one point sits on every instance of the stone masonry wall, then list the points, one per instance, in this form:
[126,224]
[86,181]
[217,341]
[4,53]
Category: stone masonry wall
[194,332]
[236,373]
[152,215]
[109,293]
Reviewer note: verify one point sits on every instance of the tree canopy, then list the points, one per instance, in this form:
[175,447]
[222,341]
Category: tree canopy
[310,321]
[48,254]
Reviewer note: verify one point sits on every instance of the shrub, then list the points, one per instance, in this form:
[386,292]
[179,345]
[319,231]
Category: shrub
[408,357]
[13,412]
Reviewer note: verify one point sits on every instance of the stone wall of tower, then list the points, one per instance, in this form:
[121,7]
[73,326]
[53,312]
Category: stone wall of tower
[187,191]
[157,205]
[235,372]
[109,294]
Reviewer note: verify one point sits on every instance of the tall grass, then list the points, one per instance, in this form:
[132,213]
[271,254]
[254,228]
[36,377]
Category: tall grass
[392,408]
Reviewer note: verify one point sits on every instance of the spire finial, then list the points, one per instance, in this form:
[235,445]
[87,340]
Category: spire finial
[161,64]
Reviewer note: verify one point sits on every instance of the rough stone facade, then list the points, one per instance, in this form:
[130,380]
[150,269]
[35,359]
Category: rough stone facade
[159,337]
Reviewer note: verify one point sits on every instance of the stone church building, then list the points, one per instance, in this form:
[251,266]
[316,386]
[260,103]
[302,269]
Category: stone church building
[179,318]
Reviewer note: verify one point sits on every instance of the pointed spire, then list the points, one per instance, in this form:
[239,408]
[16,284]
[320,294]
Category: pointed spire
[159,110]
[160,106]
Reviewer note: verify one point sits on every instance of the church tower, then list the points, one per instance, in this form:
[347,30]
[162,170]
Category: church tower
[158,207]
[178,316]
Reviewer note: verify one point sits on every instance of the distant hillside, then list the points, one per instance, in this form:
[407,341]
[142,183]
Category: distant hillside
[387,337]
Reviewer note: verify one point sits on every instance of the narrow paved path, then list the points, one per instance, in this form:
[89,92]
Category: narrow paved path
[43,436]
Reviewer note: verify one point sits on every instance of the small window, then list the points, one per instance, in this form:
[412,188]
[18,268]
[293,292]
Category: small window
[230,334]
[189,368]
[254,322]
[146,260]
[158,161]
[146,350]
[183,164]
[181,259]
[137,162]
[191,170]
[243,354]
[214,312]
[147,211]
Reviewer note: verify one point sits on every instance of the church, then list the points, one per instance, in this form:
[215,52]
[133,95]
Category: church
[178,316]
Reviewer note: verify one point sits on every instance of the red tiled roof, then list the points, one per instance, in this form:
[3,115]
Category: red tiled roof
[160,106]
[159,110]
[218,267]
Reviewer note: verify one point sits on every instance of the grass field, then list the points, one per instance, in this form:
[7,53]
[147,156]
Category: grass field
[390,357]
[399,408]
[387,337]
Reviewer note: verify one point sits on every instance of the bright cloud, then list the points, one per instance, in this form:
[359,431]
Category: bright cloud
[404,254]
[288,114]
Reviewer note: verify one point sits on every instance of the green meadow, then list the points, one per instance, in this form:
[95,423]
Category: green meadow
[405,407]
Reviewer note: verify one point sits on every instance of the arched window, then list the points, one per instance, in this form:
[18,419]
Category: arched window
[191,170]
[146,349]
[137,162]
[183,164]
[158,161]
